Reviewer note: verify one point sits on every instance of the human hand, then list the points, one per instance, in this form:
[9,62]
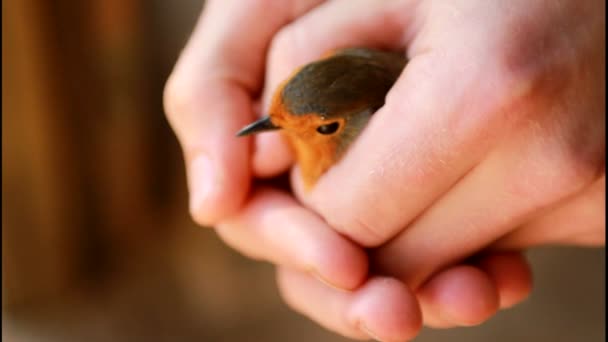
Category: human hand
[509,157]
[210,96]
[514,147]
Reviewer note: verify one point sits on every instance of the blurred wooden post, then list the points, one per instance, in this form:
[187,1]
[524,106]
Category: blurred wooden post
[82,148]
[35,207]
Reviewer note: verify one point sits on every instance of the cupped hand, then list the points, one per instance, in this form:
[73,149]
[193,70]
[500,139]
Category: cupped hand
[324,276]
[211,93]
[493,135]
[462,87]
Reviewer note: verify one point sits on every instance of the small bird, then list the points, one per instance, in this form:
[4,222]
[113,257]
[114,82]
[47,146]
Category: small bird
[325,104]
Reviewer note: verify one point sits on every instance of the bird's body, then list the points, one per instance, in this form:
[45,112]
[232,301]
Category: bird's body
[324,105]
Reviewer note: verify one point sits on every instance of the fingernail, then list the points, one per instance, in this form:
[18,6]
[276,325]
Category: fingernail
[312,271]
[202,182]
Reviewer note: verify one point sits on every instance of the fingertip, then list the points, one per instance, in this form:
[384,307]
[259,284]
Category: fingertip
[461,296]
[383,308]
[511,275]
[212,196]
[387,310]
[271,155]
[322,304]
[342,265]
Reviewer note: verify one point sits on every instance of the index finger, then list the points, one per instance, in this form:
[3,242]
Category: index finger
[209,94]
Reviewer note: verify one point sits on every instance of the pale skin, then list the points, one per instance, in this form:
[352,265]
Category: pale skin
[492,141]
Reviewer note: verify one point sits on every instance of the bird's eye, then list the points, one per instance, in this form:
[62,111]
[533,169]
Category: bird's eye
[329,128]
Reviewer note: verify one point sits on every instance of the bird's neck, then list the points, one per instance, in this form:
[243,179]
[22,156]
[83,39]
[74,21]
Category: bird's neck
[313,159]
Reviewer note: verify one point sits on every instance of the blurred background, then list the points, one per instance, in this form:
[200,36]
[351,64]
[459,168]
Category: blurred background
[97,244]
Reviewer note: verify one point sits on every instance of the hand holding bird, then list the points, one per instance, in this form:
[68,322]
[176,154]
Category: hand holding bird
[489,140]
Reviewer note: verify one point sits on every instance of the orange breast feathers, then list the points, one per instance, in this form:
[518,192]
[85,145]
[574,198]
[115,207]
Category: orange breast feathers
[314,152]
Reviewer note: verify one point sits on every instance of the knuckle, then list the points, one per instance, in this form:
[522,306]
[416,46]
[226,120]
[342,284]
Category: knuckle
[199,217]
[576,157]
[517,79]
[554,175]
[577,172]
[284,44]
[524,80]
[513,89]
[178,97]
[278,43]
[282,39]
[361,227]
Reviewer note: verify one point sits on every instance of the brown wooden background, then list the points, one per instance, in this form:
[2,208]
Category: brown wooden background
[96,241]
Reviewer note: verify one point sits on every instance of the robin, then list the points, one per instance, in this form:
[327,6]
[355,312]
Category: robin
[324,105]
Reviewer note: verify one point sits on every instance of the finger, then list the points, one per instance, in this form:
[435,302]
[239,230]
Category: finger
[334,24]
[208,98]
[413,150]
[531,171]
[416,147]
[383,308]
[459,296]
[511,275]
[274,227]
[272,155]
[579,220]
[465,295]
[279,156]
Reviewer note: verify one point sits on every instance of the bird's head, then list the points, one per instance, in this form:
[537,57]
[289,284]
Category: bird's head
[324,105]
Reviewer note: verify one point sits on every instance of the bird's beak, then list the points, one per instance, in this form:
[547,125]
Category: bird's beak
[262,125]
